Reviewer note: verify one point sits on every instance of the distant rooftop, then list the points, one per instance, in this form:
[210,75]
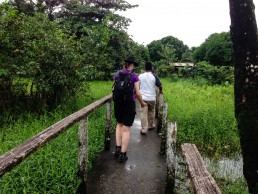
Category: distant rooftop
[182,64]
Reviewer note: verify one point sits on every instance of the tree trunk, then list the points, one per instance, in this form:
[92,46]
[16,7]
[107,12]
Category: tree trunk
[244,36]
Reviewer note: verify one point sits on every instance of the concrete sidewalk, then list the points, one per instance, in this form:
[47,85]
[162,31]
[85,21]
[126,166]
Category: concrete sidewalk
[143,173]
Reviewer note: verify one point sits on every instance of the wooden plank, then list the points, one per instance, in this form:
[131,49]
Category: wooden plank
[18,154]
[201,178]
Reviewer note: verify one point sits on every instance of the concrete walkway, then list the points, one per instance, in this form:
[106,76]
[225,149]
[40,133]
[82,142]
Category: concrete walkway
[143,173]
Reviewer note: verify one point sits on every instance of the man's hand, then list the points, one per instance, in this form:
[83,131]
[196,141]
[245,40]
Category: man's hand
[143,104]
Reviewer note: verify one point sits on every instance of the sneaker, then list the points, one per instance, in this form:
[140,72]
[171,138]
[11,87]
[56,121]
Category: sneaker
[117,152]
[122,157]
[143,133]
[151,128]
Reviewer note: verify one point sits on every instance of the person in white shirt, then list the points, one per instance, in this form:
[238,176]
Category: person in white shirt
[148,84]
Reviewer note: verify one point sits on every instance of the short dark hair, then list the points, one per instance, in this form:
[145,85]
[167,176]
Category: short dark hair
[148,66]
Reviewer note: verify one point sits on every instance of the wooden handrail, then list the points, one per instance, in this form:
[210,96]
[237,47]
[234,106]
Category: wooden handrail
[201,178]
[18,154]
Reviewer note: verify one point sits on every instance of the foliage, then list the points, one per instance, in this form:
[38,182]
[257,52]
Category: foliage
[167,54]
[156,46]
[164,70]
[100,33]
[214,74]
[204,116]
[92,12]
[216,50]
[42,53]
[43,60]
[53,168]
[233,187]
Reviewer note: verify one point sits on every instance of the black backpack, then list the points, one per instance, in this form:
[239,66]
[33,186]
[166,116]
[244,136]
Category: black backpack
[122,89]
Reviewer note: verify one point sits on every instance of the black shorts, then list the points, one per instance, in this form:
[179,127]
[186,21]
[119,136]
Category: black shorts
[125,112]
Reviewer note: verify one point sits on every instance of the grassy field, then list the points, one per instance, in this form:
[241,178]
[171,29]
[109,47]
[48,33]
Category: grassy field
[53,168]
[204,115]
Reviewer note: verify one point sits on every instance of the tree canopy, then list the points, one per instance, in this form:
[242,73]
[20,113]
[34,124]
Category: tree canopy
[217,50]
[155,48]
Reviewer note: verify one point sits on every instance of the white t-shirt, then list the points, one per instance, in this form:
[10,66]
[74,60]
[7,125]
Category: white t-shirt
[148,83]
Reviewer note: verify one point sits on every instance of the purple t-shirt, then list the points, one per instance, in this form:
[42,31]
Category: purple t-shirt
[134,78]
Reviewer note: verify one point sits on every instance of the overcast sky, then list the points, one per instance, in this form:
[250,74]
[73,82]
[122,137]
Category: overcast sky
[191,21]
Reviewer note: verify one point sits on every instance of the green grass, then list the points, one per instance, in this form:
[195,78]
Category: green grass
[53,168]
[204,116]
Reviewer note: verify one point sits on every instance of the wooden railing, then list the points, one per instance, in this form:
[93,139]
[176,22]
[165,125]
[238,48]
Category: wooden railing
[168,133]
[201,178]
[203,182]
[15,156]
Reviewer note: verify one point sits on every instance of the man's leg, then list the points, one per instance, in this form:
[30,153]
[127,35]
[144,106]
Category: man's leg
[119,127]
[151,114]
[144,119]
[125,138]
[125,143]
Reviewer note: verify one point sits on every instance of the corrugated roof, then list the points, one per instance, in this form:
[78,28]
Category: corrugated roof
[182,64]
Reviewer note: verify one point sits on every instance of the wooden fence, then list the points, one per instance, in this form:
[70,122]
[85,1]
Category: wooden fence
[201,178]
[15,156]
[168,133]
[203,182]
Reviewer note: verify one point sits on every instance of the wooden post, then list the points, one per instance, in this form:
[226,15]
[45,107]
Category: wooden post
[157,102]
[171,156]
[108,126]
[164,130]
[83,149]
[160,112]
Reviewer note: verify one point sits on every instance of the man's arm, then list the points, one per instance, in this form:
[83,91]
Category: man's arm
[138,94]
[158,83]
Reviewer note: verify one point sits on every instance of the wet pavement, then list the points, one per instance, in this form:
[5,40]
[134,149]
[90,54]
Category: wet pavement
[143,173]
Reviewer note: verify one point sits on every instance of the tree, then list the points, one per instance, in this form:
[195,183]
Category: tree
[38,61]
[168,54]
[244,37]
[217,50]
[155,48]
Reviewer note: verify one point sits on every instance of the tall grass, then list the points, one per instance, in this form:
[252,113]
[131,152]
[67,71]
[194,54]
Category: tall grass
[53,168]
[205,116]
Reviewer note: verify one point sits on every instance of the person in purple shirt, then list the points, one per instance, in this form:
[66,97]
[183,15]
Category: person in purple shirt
[125,111]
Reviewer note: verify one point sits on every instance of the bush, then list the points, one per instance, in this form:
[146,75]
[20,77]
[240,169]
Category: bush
[39,51]
[214,74]
[164,70]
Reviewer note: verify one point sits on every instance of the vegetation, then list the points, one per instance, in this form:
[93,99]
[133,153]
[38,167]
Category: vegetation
[204,114]
[46,54]
[205,117]
[53,168]
[213,74]
[216,50]
[48,49]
